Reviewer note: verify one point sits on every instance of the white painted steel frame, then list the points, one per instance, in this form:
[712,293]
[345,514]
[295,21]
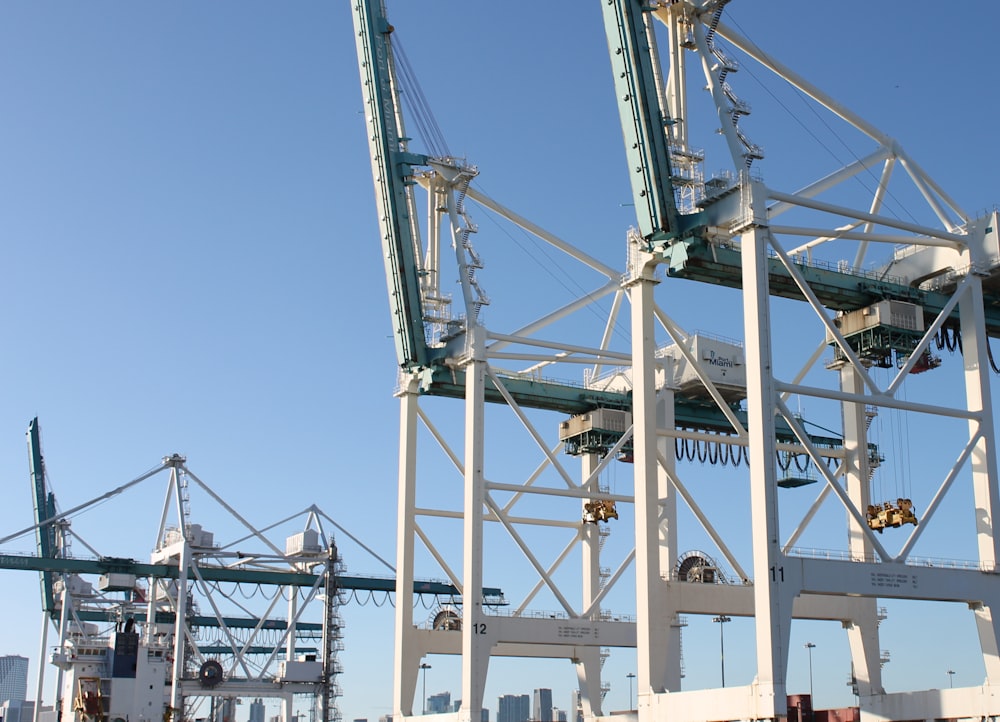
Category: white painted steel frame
[784,585]
[257,679]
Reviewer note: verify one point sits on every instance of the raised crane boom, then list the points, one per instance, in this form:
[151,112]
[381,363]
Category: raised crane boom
[44,507]
[393,172]
[643,120]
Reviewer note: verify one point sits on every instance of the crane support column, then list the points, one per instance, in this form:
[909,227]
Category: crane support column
[588,666]
[774,585]
[406,657]
[477,630]
[862,629]
[667,529]
[652,623]
[181,609]
[43,648]
[975,354]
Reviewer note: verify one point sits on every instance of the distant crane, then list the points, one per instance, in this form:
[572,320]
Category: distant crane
[156,660]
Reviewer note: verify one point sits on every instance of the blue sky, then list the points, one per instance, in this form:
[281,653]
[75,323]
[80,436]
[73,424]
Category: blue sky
[190,255]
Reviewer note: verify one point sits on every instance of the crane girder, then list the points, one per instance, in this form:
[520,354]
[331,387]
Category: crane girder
[569,399]
[71,565]
[837,290]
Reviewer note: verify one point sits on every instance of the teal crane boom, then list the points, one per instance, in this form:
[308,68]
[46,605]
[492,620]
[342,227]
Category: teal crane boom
[643,120]
[44,508]
[117,565]
[392,168]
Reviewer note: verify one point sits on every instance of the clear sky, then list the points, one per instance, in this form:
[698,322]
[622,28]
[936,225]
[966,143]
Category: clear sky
[191,263]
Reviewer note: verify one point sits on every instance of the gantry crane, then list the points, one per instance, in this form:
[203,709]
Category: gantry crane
[638,402]
[177,636]
[933,285]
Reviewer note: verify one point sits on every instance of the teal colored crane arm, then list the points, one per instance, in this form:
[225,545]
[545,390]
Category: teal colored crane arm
[492,596]
[643,121]
[44,507]
[392,168]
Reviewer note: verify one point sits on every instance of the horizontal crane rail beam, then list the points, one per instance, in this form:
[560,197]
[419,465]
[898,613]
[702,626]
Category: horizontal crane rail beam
[837,290]
[700,414]
[71,565]
[219,650]
[106,615]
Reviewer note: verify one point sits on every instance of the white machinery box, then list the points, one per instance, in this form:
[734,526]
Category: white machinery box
[299,671]
[721,360]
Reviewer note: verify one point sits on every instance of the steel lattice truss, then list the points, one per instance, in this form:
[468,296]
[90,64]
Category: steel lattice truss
[860,333]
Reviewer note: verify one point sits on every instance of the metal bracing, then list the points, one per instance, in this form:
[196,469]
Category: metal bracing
[188,604]
[183,546]
[721,232]
[713,533]
[482,632]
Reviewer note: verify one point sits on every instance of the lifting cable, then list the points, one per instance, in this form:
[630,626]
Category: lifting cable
[873,179]
[423,116]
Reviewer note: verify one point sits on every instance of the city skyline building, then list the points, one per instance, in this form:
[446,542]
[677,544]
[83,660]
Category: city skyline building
[575,706]
[24,712]
[257,710]
[439,703]
[542,705]
[225,710]
[514,708]
[13,678]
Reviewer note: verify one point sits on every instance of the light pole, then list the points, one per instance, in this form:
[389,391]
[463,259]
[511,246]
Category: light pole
[630,676]
[424,666]
[951,679]
[810,647]
[722,619]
